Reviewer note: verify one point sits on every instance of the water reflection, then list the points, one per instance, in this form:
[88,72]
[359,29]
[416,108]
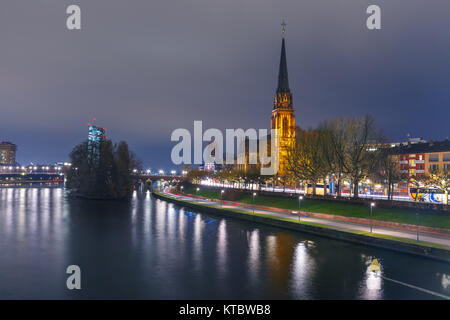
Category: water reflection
[280,252]
[198,243]
[302,267]
[254,256]
[222,249]
[146,248]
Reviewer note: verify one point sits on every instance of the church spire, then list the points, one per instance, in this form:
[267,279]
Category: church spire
[283,82]
[283,96]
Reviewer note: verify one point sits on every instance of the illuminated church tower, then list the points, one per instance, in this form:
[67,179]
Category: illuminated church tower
[283,117]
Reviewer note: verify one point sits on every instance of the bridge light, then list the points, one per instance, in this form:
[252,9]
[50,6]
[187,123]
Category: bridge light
[161,172]
[148,171]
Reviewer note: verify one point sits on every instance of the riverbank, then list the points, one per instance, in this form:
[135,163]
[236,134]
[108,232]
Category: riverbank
[424,249]
[427,219]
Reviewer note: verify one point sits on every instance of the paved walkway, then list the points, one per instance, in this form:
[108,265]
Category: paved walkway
[337,224]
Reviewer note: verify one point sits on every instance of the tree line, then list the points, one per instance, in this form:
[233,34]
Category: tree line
[345,149]
[103,172]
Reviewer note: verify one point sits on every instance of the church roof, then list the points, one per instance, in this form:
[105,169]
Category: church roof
[283,82]
[427,147]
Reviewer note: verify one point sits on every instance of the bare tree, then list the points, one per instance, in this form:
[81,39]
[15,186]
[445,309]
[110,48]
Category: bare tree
[389,170]
[440,179]
[356,144]
[333,148]
[417,182]
[305,160]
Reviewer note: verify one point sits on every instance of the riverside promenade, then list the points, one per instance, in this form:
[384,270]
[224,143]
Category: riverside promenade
[439,239]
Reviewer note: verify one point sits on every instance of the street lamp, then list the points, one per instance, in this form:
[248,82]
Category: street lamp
[254,194]
[221,199]
[173,172]
[372,204]
[196,190]
[300,198]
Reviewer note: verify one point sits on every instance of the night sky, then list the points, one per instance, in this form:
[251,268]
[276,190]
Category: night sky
[146,67]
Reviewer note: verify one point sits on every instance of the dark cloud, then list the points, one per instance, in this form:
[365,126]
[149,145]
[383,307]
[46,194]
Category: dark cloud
[144,68]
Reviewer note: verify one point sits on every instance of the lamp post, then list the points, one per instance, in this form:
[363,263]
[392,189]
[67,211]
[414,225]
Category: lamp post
[300,198]
[182,189]
[221,198]
[254,194]
[372,204]
[196,190]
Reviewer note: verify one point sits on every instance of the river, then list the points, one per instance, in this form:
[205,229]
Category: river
[151,249]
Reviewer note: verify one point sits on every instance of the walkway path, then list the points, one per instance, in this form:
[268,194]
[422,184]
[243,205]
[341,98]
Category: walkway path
[336,224]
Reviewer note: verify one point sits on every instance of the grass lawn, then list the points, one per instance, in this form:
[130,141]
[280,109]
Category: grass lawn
[431,219]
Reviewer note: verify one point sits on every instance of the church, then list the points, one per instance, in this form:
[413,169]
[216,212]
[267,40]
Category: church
[282,119]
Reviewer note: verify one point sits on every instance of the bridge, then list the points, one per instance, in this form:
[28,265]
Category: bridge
[30,178]
[145,182]
[16,176]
